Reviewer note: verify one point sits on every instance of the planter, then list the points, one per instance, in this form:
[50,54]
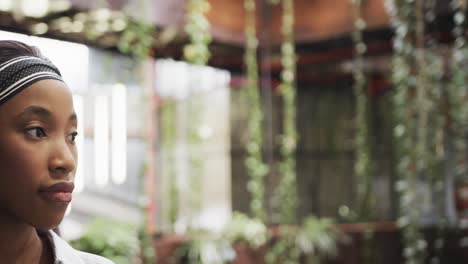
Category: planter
[349,249]
[165,247]
[245,254]
[461,199]
[373,242]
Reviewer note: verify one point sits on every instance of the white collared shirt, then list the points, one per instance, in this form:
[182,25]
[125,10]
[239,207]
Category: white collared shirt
[65,254]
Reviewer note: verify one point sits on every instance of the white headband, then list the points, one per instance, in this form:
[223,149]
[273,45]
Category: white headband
[21,72]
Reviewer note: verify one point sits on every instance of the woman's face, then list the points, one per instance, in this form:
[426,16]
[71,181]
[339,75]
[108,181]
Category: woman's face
[37,155]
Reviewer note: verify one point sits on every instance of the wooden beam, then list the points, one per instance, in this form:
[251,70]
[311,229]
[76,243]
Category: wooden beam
[314,20]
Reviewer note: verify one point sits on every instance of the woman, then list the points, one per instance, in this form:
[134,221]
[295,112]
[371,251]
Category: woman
[37,158]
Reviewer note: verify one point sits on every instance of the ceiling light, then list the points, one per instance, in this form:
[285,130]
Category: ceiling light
[119,24]
[101,14]
[35,8]
[39,28]
[60,6]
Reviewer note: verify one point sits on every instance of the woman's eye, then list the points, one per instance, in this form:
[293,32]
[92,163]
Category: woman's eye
[73,136]
[36,132]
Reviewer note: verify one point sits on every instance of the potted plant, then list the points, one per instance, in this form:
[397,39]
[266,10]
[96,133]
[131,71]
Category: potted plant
[248,237]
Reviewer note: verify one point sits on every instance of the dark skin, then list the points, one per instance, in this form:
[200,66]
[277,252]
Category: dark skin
[37,150]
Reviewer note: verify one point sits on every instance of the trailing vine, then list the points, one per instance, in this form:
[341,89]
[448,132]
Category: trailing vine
[285,249]
[405,131]
[458,92]
[195,107]
[434,73]
[196,52]
[311,242]
[198,29]
[137,39]
[255,165]
[287,189]
[362,166]
[168,117]
[419,109]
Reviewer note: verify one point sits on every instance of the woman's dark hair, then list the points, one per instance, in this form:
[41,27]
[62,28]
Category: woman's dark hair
[10,49]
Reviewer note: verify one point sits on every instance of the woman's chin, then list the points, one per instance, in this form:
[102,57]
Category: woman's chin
[49,222]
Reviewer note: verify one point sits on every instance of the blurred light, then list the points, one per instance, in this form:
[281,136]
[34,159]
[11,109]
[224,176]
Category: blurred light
[62,24]
[79,110]
[6,5]
[81,17]
[60,5]
[205,132]
[102,26]
[77,26]
[39,28]
[101,14]
[35,8]
[119,24]
[344,211]
[101,140]
[119,134]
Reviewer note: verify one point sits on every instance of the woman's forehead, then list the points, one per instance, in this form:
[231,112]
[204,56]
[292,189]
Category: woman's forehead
[51,95]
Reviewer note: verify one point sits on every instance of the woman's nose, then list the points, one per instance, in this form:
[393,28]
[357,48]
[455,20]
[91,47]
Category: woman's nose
[62,159]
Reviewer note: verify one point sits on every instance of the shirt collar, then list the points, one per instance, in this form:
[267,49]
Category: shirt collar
[63,253]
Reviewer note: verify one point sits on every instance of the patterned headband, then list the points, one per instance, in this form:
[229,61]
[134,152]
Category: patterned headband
[19,73]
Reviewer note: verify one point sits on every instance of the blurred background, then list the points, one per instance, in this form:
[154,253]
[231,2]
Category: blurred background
[262,131]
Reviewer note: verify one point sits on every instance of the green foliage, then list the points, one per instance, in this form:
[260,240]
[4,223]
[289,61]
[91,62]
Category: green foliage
[198,29]
[285,249]
[137,39]
[314,239]
[147,253]
[245,230]
[205,247]
[132,36]
[111,239]
[168,127]
[458,93]
[423,109]
[318,235]
[363,164]
[287,188]
[256,168]
[196,109]
[405,131]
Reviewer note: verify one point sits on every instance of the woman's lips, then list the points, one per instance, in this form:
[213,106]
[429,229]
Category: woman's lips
[59,192]
[63,197]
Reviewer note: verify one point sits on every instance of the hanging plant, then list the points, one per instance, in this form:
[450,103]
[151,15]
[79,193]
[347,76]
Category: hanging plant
[198,29]
[313,241]
[256,168]
[362,166]
[196,52]
[168,126]
[195,109]
[433,73]
[137,39]
[458,92]
[287,189]
[405,113]
[420,135]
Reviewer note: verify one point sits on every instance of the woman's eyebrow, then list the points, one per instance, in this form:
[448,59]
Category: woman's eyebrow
[35,111]
[41,112]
